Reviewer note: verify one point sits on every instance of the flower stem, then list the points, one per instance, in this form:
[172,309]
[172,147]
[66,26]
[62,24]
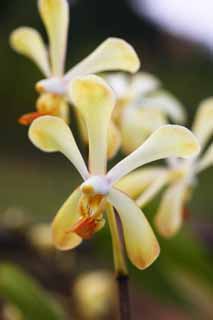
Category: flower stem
[120,266]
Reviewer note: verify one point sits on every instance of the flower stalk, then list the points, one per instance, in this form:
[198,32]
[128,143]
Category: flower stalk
[121,271]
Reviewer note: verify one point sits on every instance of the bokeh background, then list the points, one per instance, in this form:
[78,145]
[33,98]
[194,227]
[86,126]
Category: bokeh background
[174,40]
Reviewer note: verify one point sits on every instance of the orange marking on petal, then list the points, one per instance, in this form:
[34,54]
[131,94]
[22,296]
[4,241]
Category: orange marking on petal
[28,118]
[85,227]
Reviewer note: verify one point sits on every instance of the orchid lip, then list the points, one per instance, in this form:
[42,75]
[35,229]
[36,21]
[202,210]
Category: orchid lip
[96,185]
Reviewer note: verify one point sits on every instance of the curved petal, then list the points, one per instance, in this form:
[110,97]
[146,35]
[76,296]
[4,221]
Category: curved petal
[155,187]
[136,126]
[206,160]
[141,243]
[136,182]
[28,42]
[203,124]
[52,134]
[167,141]
[55,15]
[170,214]
[165,102]
[95,102]
[134,86]
[112,54]
[114,140]
[143,83]
[66,217]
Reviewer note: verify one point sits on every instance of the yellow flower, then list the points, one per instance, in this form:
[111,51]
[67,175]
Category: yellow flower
[179,176]
[83,213]
[142,107]
[112,54]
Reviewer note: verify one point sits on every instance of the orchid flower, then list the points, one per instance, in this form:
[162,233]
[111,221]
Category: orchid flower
[112,54]
[179,177]
[142,107]
[83,213]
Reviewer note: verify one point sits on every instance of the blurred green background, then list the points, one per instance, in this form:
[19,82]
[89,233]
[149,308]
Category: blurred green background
[37,184]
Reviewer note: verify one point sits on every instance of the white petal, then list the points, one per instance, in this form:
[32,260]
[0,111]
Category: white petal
[95,101]
[28,42]
[112,54]
[206,160]
[141,243]
[143,83]
[52,134]
[203,125]
[167,141]
[55,15]
[167,103]
[170,214]
[66,217]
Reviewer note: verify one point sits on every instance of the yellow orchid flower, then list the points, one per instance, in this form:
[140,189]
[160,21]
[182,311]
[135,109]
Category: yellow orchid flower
[112,54]
[142,107]
[179,176]
[83,213]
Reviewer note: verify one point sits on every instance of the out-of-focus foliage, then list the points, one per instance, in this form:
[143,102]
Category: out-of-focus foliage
[25,293]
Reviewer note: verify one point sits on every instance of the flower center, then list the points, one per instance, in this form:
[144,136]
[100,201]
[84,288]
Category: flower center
[98,185]
[91,208]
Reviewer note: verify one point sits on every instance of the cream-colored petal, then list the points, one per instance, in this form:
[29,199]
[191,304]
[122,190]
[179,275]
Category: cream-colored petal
[168,104]
[136,182]
[206,160]
[132,86]
[114,140]
[136,126]
[114,137]
[55,15]
[167,141]
[141,243]
[119,82]
[66,217]
[28,42]
[203,124]
[170,214]
[52,134]
[143,83]
[95,101]
[155,187]
[112,54]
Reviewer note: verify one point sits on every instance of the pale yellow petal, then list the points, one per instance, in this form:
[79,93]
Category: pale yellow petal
[167,141]
[155,187]
[203,125]
[55,15]
[168,104]
[28,42]
[206,159]
[114,137]
[141,243]
[114,140]
[95,102]
[112,54]
[136,182]
[52,134]
[136,126]
[66,217]
[170,214]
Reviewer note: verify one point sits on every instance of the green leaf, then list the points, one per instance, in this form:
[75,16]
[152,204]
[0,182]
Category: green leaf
[27,295]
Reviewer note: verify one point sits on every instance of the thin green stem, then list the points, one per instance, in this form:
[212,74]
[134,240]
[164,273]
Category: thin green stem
[120,266]
[119,261]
